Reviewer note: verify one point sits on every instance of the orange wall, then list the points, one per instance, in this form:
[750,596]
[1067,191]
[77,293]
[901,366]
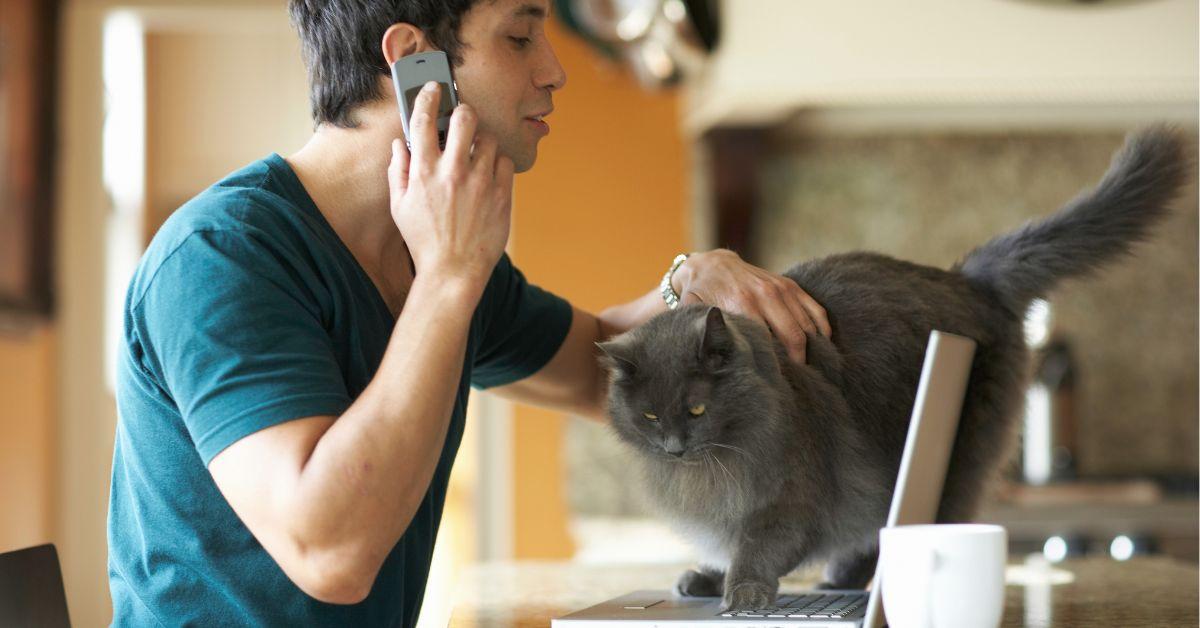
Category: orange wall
[597,220]
[27,436]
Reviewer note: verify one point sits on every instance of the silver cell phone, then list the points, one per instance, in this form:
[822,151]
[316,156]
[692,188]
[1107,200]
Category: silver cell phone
[411,73]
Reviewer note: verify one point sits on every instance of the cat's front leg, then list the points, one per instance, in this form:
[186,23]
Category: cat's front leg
[750,595]
[702,582]
[764,554]
[851,569]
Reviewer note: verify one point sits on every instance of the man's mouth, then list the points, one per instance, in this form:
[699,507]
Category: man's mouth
[539,124]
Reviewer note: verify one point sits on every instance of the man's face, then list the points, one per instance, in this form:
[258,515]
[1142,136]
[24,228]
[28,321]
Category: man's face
[508,73]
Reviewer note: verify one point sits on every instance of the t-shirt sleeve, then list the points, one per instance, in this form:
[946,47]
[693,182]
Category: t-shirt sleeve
[523,327]
[236,339]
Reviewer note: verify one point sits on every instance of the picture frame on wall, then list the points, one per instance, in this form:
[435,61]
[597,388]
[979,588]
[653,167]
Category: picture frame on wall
[28,64]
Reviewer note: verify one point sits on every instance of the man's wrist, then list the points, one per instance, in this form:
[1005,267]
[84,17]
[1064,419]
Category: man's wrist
[451,289]
[683,275]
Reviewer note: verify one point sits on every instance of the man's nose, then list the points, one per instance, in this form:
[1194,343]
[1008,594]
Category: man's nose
[551,74]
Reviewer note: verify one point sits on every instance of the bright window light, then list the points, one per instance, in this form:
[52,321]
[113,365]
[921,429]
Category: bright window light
[123,169]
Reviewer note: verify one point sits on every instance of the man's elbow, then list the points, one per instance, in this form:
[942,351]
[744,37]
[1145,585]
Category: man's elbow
[337,592]
[335,577]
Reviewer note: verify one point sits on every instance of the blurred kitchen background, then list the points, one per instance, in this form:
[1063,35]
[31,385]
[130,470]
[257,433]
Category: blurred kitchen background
[782,129]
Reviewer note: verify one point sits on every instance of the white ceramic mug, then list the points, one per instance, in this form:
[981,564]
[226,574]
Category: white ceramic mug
[943,575]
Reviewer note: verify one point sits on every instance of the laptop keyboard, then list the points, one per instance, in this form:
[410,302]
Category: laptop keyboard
[815,605]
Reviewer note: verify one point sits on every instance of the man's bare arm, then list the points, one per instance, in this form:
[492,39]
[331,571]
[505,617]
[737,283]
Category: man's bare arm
[329,499]
[571,381]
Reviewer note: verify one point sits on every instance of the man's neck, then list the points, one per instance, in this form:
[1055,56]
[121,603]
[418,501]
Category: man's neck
[345,173]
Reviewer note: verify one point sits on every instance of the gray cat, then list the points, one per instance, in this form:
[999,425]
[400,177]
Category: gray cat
[766,465]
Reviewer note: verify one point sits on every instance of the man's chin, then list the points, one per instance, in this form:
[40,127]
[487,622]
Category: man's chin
[522,155]
[524,163]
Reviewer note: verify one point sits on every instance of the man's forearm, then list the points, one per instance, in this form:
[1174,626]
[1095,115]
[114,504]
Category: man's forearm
[367,474]
[625,316]
[573,380]
[610,322]
[621,318]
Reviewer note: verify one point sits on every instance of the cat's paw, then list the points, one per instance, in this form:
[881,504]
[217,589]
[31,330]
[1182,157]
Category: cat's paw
[748,596]
[700,584]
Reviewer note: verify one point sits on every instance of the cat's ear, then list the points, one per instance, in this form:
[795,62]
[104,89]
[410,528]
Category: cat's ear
[717,344]
[617,358]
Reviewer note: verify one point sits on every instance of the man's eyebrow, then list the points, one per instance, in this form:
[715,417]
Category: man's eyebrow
[529,10]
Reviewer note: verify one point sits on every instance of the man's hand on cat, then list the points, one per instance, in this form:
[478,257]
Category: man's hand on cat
[721,278]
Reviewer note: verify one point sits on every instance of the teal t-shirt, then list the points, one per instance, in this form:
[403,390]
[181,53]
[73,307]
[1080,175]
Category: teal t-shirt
[246,311]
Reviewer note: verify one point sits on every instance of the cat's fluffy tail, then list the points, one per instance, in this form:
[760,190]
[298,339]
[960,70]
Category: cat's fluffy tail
[1092,229]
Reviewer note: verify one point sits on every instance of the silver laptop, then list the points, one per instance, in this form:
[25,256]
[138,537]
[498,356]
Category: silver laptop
[918,492]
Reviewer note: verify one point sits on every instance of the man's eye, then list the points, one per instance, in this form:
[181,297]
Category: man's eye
[521,41]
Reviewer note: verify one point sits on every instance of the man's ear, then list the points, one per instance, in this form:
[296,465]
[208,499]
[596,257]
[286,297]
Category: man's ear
[402,39]
[617,358]
[717,343]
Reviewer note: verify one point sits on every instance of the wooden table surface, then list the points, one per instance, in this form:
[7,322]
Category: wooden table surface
[1144,591]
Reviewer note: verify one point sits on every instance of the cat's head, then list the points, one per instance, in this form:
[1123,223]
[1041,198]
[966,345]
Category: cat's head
[691,379]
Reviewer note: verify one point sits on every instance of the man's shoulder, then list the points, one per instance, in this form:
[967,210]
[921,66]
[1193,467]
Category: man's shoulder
[251,198]
[247,206]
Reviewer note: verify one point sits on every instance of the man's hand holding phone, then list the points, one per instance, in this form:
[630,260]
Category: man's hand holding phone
[454,208]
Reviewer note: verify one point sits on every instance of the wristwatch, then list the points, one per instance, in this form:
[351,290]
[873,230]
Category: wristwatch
[668,293]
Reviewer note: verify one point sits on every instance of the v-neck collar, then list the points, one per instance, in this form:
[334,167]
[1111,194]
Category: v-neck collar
[298,195]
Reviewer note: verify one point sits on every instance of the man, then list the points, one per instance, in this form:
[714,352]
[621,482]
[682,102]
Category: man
[300,337]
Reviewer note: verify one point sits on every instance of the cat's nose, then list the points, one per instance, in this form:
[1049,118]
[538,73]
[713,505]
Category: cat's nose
[676,453]
[674,446]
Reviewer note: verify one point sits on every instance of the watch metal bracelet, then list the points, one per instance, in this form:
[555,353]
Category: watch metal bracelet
[668,293]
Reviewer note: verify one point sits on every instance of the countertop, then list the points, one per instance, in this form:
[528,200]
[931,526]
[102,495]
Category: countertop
[1143,591]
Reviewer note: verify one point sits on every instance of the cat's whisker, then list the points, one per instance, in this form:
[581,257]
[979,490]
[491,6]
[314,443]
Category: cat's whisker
[726,470]
[737,449]
[707,467]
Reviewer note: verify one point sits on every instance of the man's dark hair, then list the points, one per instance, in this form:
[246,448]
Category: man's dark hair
[340,42]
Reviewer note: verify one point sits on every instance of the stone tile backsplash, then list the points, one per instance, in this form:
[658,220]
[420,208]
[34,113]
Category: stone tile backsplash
[932,198]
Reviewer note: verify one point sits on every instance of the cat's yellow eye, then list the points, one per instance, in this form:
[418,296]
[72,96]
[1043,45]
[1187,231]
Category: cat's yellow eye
[697,409]
[652,417]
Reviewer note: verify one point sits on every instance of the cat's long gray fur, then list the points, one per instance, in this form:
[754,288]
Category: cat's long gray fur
[766,465]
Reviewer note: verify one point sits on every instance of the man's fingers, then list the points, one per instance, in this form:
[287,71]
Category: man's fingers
[483,156]
[504,173]
[460,137]
[423,127]
[786,328]
[398,168]
[808,312]
[817,313]
[789,295]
